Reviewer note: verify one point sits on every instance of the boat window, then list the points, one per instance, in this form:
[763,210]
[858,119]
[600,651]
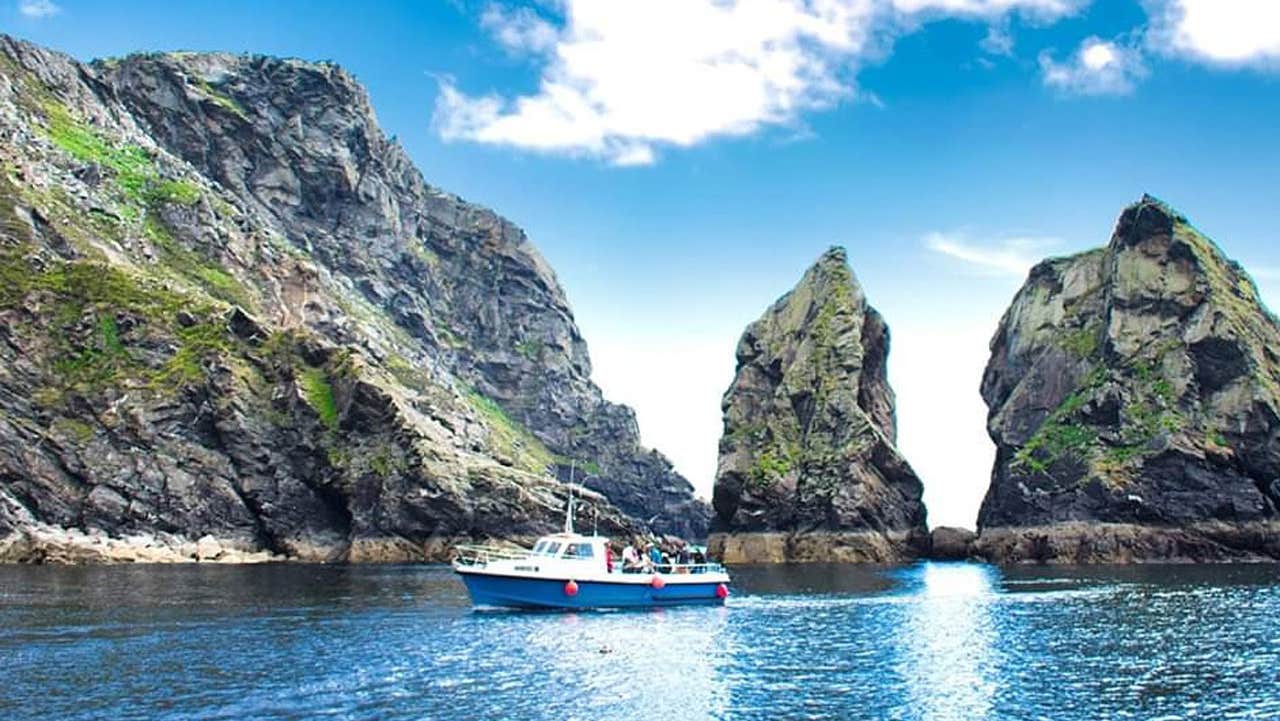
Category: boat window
[579,550]
[552,549]
[539,547]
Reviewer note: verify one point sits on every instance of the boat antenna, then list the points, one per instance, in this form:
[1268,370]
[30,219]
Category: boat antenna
[568,511]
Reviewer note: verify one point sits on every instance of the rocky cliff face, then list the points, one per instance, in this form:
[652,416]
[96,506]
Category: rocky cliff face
[1134,396]
[808,469]
[232,308]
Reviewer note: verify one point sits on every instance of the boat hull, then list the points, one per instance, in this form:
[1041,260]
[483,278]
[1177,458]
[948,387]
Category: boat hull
[523,592]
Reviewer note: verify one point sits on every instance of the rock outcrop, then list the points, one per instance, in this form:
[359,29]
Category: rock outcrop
[1134,396]
[947,543]
[808,470]
[232,311]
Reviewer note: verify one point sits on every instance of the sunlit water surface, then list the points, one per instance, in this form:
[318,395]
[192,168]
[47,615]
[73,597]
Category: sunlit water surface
[932,641]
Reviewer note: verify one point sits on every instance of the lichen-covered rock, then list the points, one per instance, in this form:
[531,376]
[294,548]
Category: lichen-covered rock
[808,470]
[1135,390]
[229,307]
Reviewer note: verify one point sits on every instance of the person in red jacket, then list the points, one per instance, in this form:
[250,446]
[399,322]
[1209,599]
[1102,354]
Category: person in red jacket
[608,557]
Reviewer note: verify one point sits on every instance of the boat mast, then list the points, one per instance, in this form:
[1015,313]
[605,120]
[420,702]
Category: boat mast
[568,511]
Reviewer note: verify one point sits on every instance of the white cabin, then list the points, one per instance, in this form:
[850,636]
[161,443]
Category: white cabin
[567,555]
[570,552]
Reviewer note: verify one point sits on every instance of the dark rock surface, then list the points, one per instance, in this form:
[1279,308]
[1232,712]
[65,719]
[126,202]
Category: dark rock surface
[234,311]
[1135,391]
[808,470]
[947,543]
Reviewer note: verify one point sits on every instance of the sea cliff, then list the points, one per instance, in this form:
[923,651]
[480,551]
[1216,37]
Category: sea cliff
[238,323]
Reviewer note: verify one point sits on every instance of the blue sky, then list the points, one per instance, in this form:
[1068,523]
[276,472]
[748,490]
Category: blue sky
[680,162]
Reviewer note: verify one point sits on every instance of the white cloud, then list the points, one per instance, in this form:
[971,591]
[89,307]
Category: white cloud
[521,31]
[38,9]
[1011,256]
[1098,67]
[623,78]
[998,41]
[1229,32]
[1039,9]
[629,75]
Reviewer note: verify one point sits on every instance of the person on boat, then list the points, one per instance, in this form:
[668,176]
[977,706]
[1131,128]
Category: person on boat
[655,556]
[630,559]
[682,560]
[608,557]
[699,561]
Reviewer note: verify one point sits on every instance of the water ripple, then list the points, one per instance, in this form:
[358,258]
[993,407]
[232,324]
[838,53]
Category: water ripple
[929,642]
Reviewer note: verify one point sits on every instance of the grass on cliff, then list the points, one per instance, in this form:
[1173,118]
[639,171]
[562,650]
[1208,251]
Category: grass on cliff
[319,394]
[530,349]
[135,172]
[510,438]
[193,266]
[1151,409]
[220,99]
[77,306]
[1234,292]
[143,192]
[1084,342]
[822,360]
[770,466]
[582,465]
[73,312]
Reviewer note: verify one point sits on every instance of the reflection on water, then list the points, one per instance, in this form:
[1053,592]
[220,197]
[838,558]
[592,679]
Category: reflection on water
[586,665]
[948,641]
[933,641]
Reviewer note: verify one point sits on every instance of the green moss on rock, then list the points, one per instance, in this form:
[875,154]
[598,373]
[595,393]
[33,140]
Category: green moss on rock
[319,394]
[508,437]
[135,171]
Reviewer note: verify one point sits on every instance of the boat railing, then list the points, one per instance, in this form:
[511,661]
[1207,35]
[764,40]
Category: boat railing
[677,568]
[470,555]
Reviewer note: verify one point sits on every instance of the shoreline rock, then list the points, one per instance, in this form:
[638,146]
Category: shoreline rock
[947,543]
[1084,543]
[49,545]
[853,547]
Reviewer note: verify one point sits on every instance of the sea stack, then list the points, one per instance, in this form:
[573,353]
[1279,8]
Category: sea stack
[1134,396]
[808,470]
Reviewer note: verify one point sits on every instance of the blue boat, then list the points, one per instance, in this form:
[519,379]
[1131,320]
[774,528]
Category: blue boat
[568,570]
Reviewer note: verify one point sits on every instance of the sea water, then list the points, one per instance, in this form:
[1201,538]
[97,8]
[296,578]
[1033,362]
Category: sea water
[929,641]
